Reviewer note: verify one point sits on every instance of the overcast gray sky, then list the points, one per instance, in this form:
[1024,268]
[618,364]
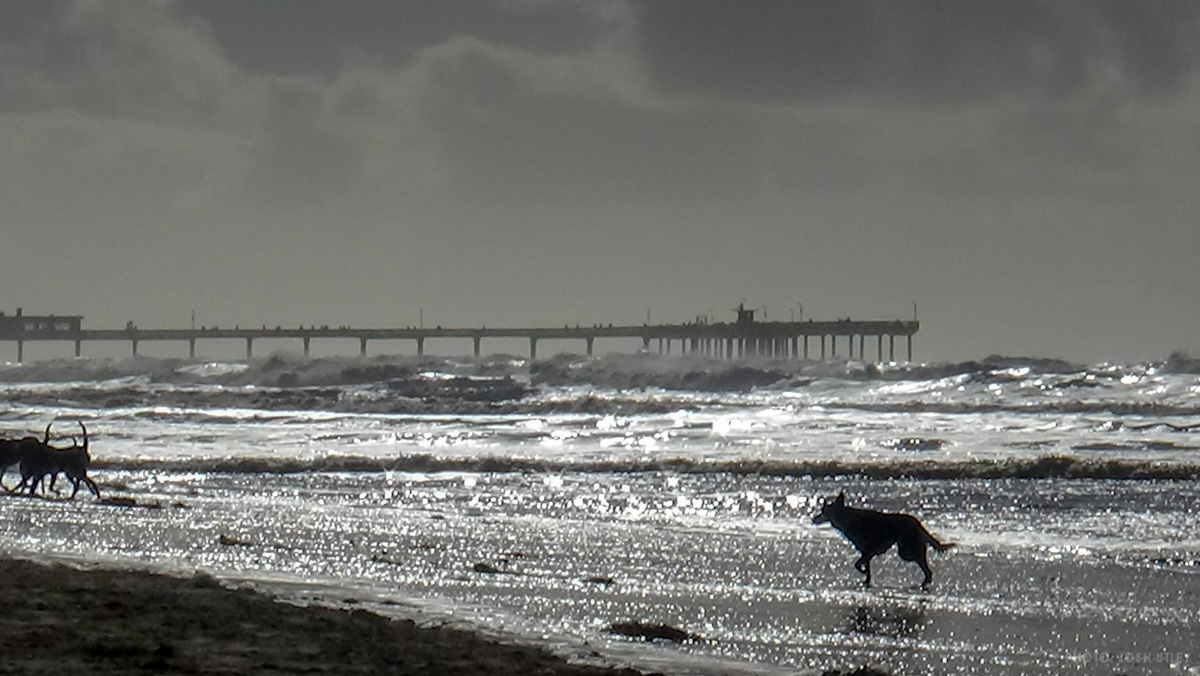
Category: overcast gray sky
[1027,171]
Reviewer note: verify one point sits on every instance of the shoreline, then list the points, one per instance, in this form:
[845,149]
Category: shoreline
[115,622]
[59,619]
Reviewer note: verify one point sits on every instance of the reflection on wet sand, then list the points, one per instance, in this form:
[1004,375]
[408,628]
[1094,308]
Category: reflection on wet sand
[889,622]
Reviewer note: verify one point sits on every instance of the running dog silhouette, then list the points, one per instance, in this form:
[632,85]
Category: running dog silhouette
[873,533]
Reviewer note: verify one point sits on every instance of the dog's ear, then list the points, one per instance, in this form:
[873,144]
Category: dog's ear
[841,498]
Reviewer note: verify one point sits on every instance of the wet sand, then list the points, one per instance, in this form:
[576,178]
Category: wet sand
[58,620]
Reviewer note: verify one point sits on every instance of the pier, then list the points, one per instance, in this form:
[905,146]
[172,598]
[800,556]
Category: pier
[745,338]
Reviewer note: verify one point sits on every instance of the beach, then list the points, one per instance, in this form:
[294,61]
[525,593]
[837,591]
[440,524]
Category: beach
[547,520]
[59,619]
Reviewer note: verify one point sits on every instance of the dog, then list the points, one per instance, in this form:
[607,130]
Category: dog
[873,533]
[13,451]
[40,460]
[44,460]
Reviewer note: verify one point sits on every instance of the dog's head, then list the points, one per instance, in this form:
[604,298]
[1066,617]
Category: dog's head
[831,508]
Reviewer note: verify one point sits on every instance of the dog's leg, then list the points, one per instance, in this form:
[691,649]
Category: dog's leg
[863,565]
[91,486]
[918,553]
[923,562]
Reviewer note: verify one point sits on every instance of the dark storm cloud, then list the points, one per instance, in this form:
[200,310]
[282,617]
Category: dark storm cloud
[534,100]
[962,51]
[114,60]
[21,18]
[289,37]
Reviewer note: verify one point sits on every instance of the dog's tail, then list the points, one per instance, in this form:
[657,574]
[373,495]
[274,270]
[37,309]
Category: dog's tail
[937,544]
[942,546]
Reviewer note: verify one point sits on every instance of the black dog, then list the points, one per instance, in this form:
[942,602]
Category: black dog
[873,533]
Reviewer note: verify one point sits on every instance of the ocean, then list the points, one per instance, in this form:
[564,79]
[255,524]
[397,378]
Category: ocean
[545,502]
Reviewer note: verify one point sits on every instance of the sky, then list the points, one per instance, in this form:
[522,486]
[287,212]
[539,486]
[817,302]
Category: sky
[1027,172]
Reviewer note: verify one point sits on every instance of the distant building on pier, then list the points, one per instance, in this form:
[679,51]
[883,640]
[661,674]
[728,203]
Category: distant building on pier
[23,325]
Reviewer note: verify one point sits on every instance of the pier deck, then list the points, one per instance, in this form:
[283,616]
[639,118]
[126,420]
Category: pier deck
[788,340]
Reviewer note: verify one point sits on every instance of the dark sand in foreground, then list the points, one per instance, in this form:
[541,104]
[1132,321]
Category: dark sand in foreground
[59,620]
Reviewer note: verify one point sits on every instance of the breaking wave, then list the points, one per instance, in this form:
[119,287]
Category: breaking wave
[505,397]
[568,383]
[618,371]
[1046,467]
[1121,408]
